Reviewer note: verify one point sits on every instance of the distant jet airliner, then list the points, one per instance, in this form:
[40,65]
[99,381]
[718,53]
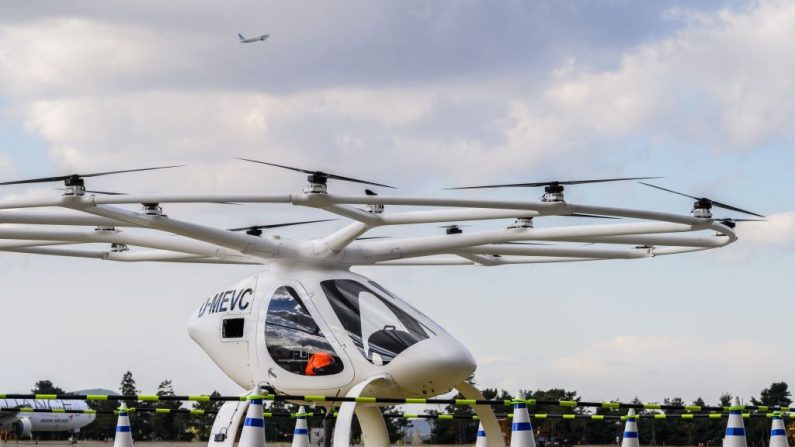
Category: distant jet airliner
[243,39]
[24,423]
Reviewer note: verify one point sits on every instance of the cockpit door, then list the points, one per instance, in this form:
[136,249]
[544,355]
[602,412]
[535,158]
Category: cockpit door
[296,347]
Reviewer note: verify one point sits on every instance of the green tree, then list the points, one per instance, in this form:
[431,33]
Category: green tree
[127,386]
[140,422]
[169,426]
[201,426]
[46,387]
[777,394]
[758,430]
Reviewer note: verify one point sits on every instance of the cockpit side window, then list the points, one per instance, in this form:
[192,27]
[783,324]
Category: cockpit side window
[294,340]
[379,328]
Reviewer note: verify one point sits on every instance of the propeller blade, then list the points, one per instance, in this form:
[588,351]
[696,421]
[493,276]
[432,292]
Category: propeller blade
[36,180]
[349,179]
[731,219]
[554,182]
[732,208]
[318,173]
[669,190]
[593,216]
[278,166]
[713,202]
[96,174]
[287,224]
[453,226]
[372,237]
[107,193]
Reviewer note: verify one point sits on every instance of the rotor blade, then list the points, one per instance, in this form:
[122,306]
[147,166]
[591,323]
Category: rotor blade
[669,190]
[372,237]
[729,207]
[714,202]
[97,174]
[554,182]
[107,193]
[287,224]
[278,166]
[349,179]
[603,180]
[594,216]
[295,223]
[326,174]
[731,219]
[64,177]
[37,180]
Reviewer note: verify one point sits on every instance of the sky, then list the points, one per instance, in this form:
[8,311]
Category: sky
[420,95]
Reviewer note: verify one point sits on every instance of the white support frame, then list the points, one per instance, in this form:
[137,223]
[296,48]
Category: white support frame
[657,233]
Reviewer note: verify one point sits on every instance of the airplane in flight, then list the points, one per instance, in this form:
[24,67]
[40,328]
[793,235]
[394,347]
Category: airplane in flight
[244,39]
[19,416]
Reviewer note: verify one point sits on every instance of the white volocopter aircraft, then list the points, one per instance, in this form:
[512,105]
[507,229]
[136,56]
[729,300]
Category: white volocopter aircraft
[24,423]
[244,39]
[306,324]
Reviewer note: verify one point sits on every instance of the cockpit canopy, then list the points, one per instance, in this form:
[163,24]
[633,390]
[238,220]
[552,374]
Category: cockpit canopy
[373,318]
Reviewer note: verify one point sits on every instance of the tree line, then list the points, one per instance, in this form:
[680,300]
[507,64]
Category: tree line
[549,432]
[556,432]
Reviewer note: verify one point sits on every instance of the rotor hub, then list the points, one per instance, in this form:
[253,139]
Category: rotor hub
[317,182]
[453,230]
[153,209]
[702,209]
[119,248]
[374,208]
[75,186]
[522,222]
[254,231]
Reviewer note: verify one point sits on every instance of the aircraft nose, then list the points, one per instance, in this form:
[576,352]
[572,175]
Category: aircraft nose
[433,366]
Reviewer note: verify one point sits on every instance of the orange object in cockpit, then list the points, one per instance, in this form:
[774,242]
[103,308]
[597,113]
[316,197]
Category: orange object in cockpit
[318,361]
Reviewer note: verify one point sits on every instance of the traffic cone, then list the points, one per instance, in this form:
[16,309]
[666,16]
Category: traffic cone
[521,429]
[123,430]
[301,433]
[480,441]
[735,428]
[778,434]
[630,438]
[253,434]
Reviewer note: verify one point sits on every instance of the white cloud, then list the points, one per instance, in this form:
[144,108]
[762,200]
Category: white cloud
[76,56]
[778,231]
[725,81]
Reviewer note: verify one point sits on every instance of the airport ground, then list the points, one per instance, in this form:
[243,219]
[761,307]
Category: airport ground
[168,444]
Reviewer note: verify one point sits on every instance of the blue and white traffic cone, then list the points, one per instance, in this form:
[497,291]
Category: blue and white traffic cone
[123,430]
[522,429]
[735,428]
[480,441]
[301,433]
[778,434]
[253,434]
[630,438]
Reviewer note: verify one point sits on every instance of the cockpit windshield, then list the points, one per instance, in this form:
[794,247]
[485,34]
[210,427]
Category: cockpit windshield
[378,327]
[294,340]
